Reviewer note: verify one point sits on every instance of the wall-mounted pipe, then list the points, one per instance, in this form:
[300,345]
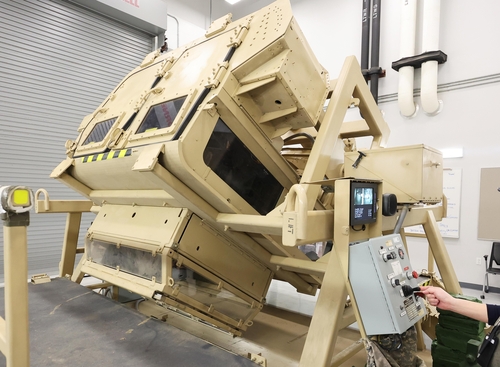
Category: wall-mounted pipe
[375,50]
[430,42]
[365,35]
[178,28]
[407,106]
[370,52]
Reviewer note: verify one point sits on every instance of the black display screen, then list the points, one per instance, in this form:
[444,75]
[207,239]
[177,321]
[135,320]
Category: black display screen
[363,203]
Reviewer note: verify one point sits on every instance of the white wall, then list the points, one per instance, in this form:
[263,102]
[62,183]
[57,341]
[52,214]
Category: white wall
[192,16]
[468,36]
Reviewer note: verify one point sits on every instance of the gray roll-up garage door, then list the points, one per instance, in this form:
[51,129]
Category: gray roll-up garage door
[58,61]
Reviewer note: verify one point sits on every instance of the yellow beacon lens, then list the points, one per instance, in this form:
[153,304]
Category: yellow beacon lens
[21,197]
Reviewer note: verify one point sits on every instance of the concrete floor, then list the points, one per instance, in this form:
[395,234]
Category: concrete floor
[279,331]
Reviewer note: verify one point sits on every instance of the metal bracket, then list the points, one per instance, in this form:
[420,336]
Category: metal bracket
[240,34]
[218,25]
[148,158]
[143,99]
[166,66]
[217,75]
[257,358]
[150,58]
[40,279]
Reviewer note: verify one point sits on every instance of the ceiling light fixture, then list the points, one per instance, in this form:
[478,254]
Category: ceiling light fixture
[232,2]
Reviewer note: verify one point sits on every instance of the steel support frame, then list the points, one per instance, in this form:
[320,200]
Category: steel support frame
[327,316]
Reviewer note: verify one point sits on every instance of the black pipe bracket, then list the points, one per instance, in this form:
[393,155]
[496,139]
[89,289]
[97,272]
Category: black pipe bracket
[367,73]
[417,60]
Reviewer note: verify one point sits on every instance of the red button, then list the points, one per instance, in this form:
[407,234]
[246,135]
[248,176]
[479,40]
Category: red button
[415,274]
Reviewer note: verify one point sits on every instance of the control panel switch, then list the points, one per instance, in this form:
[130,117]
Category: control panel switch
[389,256]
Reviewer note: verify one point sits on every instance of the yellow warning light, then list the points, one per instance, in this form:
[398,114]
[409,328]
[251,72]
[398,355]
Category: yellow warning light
[21,197]
[16,199]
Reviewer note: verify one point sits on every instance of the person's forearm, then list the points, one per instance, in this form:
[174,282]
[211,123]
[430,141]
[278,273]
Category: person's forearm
[470,309]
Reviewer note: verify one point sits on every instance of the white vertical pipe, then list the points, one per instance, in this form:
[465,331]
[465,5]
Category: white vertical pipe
[407,48]
[430,42]
[177,28]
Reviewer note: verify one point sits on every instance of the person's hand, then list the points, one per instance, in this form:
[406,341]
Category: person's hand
[438,297]
[442,299]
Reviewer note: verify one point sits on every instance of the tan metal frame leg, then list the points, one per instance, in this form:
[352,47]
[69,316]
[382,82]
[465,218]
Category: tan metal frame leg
[420,336]
[16,297]
[69,250]
[440,254]
[320,342]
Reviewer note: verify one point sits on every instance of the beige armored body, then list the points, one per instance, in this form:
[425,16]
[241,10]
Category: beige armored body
[208,165]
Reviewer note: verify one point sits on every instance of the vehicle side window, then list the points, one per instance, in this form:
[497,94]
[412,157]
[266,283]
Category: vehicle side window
[161,115]
[99,131]
[237,166]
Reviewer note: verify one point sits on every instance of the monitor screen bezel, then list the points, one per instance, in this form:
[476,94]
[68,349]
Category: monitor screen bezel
[365,220]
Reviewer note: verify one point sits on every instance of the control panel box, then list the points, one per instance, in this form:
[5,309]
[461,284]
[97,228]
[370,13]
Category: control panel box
[379,270]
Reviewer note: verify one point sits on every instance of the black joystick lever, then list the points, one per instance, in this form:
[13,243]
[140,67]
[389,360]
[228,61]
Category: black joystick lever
[408,290]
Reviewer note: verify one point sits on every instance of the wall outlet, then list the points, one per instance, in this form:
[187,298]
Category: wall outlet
[478,261]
